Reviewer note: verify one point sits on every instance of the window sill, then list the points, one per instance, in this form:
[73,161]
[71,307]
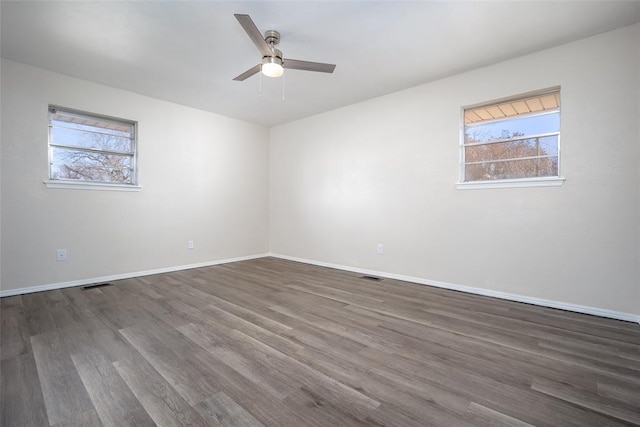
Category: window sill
[511,183]
[81,185]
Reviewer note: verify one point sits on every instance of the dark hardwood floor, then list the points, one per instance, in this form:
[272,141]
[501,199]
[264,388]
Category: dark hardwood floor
[279,343]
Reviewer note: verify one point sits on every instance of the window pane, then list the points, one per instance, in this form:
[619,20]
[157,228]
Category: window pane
[95,126]
[87,120]
[513,127]
[112,141]
[500,140]
[529,168]
[91,166]
[89,147]
[532,147]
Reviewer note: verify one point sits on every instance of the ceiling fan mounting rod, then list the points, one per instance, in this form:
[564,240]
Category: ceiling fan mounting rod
[272,37]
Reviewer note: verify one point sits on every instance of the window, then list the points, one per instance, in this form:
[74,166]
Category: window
[86,148]
[514,142]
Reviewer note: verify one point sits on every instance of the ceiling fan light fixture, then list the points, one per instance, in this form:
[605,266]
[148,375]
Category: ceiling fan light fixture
[272,66]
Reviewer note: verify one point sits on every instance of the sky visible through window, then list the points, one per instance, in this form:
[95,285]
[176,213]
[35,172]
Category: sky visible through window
[524,146]
[510,127]
[89,148]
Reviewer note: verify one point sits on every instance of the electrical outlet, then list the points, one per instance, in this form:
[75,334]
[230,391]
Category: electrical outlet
[61,254]
[380,249]
[190,244]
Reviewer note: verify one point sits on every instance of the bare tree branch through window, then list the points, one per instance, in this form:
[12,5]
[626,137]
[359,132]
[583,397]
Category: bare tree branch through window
[86,147]
[513,139]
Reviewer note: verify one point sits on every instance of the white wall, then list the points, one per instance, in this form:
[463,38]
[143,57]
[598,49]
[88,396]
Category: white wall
[378,171]
[204,177]
[384,171]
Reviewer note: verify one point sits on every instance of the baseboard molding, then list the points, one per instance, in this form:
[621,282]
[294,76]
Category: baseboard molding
[462,288]
[478,291]
[82,282]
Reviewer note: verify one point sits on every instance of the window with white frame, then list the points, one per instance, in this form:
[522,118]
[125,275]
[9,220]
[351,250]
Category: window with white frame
[90,148]
[515,140]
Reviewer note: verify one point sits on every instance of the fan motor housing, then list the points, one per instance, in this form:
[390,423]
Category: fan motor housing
[277,54]
[275,59]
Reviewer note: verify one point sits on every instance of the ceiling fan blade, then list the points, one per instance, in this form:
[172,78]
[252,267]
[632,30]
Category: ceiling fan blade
[250,72]
[296,64]
[254,34]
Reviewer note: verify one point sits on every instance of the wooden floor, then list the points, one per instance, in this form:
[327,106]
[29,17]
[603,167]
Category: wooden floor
[274,342]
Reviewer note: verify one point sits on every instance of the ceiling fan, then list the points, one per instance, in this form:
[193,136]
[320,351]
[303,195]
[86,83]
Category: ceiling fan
[273,63]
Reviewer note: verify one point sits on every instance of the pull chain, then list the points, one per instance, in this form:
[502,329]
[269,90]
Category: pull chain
[260,84]
[283,74]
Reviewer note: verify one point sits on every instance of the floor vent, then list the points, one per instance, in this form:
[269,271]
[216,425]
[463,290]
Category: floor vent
[375,279]
[97,285]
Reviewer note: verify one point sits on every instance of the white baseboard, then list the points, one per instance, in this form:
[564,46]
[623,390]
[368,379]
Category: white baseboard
[469,289]
[478,291]
[102,279]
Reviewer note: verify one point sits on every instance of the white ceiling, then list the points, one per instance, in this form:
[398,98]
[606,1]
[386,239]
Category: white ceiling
[188,52]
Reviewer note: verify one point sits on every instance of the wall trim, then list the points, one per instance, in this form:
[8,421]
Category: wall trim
[101,279]
[445,285]
[512,183]
[472,290]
